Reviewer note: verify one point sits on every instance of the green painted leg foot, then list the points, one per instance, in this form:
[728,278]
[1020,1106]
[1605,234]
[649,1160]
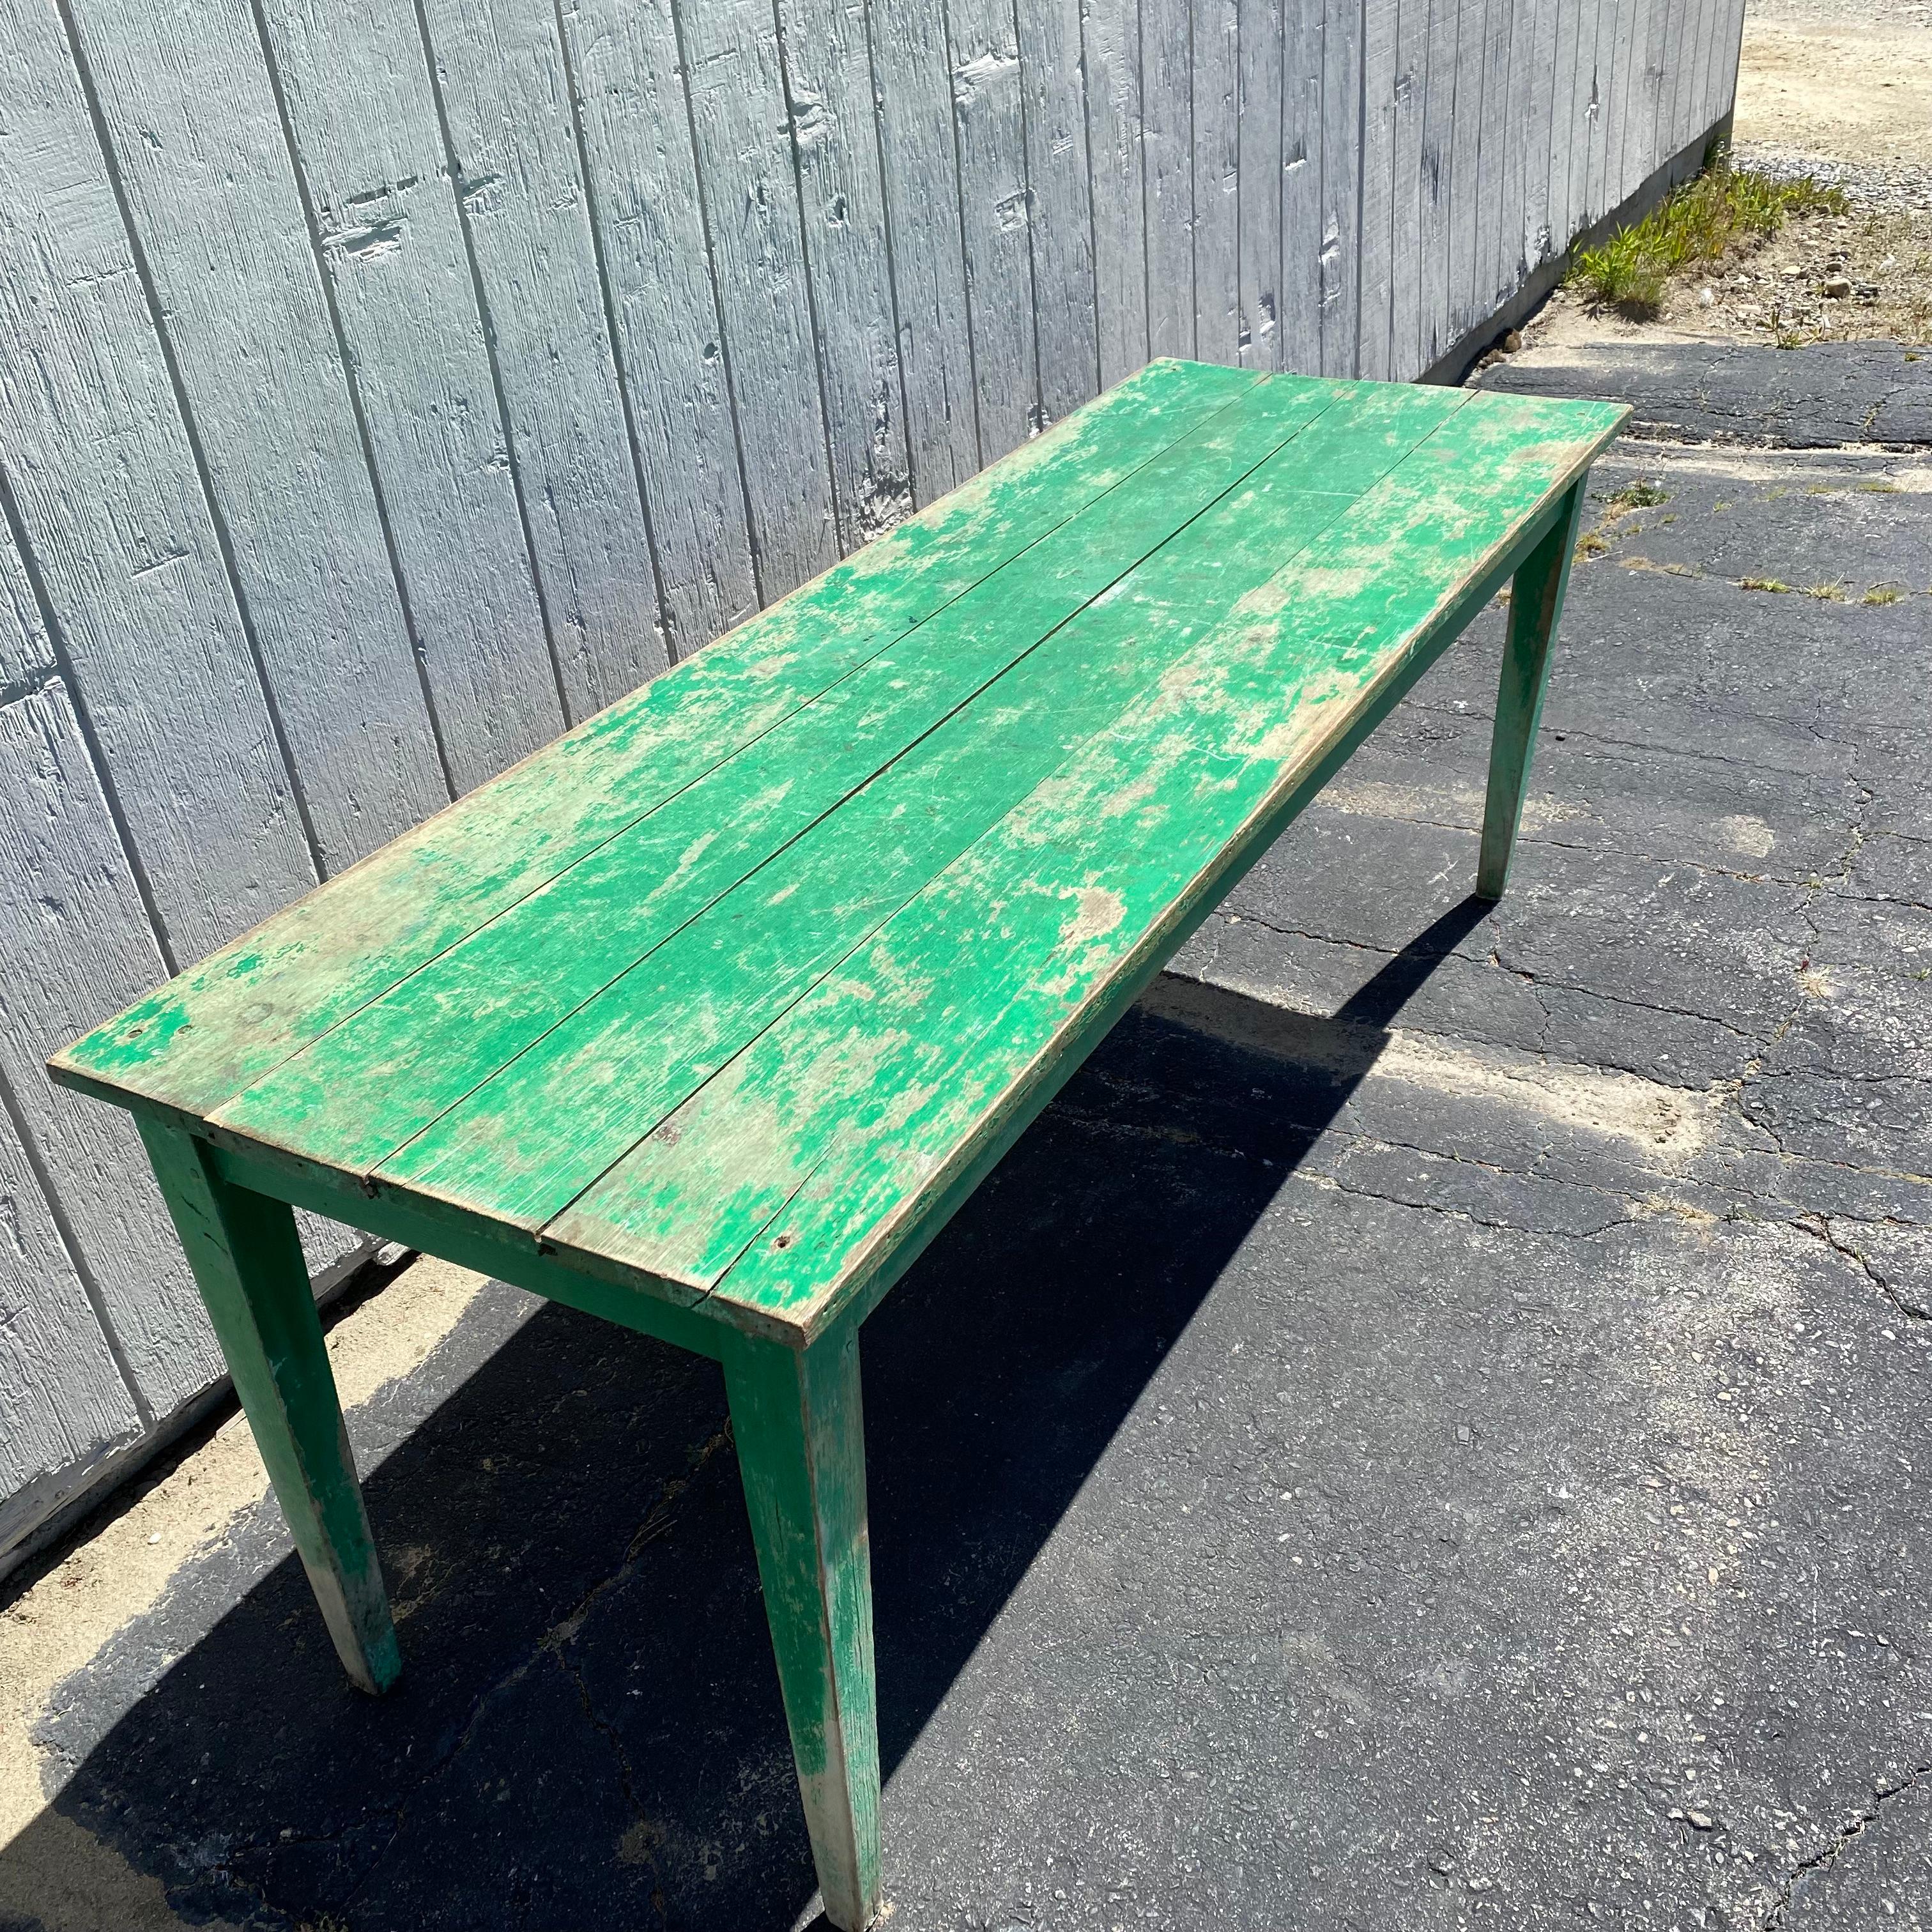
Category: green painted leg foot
[801,1448]
[1536,603]
[247,1261]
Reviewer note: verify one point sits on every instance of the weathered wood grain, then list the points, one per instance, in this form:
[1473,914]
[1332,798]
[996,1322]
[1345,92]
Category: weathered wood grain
[218,206]
[69,1401]
[1568,129]
[1547,81]
[828,92]
[248,1264]
[1060,199]
[1376,268]
[996,212]
[1440,132]
[1677,28]
[1134,634]
[1586,164]
[243,1010]
[1690,47]
[26,646]
[1216,32]
[1412,106]
[1729,50]
[1626,87]
[635,129]
[1341,186]
[763,946]
[741,884]
[1702,38]
[1656,119]
[68,1411]
[751,1049]
[1498,130]
[511,126]
[797,1420]
[377,189]
[919,155]
[1725,46]
[103,492]
[1606,138]
[1110,31]
[1261,49]
[395,402]
[1465,154]
[77,943]
[1167,147]
[1519,81]
[919,1044]
[749,182]
[1301,129]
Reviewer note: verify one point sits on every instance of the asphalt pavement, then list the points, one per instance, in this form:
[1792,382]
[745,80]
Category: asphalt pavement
[1430,1429]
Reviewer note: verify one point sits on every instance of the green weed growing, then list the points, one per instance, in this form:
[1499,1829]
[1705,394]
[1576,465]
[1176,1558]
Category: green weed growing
[1696,222]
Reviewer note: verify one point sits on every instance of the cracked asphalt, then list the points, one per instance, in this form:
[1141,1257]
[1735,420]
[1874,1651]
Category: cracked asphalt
[1423,1434]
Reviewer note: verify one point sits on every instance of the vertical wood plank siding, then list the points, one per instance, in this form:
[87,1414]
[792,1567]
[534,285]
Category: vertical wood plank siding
[388,387]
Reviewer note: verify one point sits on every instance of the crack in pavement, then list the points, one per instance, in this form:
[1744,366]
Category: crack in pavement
[1819,1226]
[1853,1828]
[1493,958]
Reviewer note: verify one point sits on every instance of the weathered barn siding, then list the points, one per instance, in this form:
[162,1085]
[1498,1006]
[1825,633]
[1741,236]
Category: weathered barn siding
[382,389]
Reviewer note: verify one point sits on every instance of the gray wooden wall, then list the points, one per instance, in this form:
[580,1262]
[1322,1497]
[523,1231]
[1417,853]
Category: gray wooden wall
[383,388]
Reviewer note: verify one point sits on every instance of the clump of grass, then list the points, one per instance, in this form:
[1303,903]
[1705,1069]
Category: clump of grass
[1777,586]
[1639,494]
[1881,593]
[1592,543]
[1696,222]
[1825,593]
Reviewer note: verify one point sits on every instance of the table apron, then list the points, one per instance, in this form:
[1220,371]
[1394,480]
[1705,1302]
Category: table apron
[390,1218]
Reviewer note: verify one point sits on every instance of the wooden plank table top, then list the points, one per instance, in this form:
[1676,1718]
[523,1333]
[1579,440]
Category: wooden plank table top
[715,997]
[706,1017]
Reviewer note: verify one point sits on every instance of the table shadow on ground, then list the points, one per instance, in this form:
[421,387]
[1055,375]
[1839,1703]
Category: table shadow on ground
[588,1730]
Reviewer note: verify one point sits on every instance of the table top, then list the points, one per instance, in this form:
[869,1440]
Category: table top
[722,993]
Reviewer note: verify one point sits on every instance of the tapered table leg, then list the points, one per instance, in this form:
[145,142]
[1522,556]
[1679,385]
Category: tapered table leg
[801,1448]
[247,1261]
[1536,604]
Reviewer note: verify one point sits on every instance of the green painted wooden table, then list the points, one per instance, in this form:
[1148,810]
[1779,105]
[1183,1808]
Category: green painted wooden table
[706,1017]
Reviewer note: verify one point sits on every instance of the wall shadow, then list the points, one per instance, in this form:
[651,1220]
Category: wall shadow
[588,1731]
